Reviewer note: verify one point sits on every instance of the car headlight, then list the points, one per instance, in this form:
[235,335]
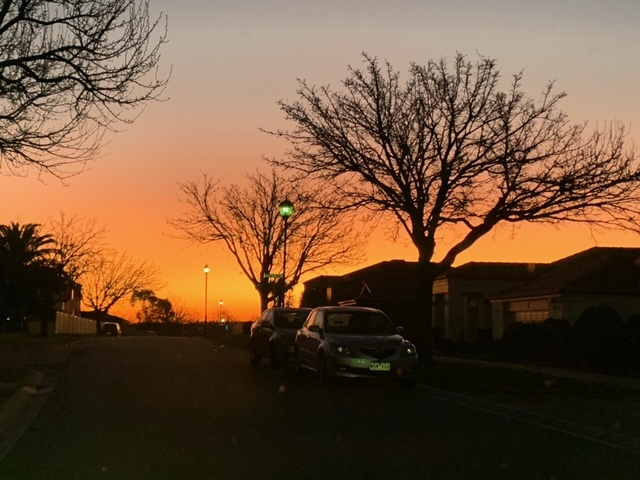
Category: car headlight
[341,350]
[408,349]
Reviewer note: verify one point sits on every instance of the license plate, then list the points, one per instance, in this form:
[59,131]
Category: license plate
[379,367]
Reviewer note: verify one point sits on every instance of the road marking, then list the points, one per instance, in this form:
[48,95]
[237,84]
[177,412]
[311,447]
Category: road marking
[577,430]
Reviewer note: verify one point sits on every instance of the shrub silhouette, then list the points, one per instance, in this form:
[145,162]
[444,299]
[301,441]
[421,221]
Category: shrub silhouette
[598,338]
[544,341]
[632,337]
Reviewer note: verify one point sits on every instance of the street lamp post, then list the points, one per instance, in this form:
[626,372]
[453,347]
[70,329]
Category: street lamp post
[206,274]
[220,311]
[286,210]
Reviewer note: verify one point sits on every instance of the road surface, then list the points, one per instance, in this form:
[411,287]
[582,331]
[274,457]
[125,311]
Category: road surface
[183,408]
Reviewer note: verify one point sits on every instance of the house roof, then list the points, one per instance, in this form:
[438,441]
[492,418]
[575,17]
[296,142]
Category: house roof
[495,270]
[478,270]
[322,280]
[598,270]
[389,267]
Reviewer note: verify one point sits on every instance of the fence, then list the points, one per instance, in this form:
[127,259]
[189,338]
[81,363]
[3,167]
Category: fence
[72,325]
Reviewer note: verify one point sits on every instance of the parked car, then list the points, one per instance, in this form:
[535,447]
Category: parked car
[111,329]
[354,342]
[273,335]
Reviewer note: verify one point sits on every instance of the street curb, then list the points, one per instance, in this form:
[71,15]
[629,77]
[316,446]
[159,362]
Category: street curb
[17,413]
[22,407]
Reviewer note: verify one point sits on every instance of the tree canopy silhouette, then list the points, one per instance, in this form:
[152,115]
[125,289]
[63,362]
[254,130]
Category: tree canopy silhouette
[70,71]
[247,221]
[32,281]
[114,277]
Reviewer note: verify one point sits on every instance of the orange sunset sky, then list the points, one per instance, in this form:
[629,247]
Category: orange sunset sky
[232,60]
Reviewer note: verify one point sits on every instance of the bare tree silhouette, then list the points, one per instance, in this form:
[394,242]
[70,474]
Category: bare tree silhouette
[70,71]
[247,221]
[447,154]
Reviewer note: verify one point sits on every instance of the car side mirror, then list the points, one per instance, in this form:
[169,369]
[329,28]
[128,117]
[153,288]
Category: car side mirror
[400,330]
[315,329]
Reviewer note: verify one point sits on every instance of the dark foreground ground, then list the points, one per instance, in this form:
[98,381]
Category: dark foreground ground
[187,408]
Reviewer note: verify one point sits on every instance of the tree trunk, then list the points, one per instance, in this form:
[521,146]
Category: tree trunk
[263,290]
[424,337]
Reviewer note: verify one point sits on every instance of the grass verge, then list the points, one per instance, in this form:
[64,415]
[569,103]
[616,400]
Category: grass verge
[19,353]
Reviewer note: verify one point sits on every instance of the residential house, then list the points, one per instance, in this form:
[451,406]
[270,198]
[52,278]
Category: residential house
[477,301]
[597,276]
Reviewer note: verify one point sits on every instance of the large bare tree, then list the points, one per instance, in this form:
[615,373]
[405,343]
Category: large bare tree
[114,277]
[247,221]
[453,152]
[69,71]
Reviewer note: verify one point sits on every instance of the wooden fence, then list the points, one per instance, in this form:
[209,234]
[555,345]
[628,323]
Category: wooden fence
[72,325]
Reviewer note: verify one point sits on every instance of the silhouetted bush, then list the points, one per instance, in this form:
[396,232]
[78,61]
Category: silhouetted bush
[632,337]
[598,338]
[484,340]
[445,346]
[535,341]
[562,340]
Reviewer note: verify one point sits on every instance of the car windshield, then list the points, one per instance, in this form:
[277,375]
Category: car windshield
[359,322]
[291,319]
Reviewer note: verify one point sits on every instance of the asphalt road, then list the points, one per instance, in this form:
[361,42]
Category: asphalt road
[180,408]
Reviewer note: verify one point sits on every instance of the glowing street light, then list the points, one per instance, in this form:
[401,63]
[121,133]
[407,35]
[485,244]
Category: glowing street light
[286,210]
[220,311]
[206,274]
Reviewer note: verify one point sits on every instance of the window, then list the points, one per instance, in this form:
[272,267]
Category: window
[290,319]
[311,319]
[358,322]
[263,320]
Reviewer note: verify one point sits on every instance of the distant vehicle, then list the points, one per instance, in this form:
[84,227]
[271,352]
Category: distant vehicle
[111,329]
[274,333]
[355,342]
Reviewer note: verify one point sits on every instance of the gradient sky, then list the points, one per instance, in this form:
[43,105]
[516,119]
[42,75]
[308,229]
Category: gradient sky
[232,60]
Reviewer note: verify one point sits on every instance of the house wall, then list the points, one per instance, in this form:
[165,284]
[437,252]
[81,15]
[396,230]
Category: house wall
[462,310]
[73,306]
[439,315]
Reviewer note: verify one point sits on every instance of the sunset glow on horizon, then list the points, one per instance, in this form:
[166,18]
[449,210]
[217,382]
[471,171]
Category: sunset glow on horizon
[232,61]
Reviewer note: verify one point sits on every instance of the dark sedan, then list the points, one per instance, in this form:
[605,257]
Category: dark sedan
[273,335]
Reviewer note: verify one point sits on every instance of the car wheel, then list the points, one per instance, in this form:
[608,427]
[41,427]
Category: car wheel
[323,373]
[273,357]
[253,354]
